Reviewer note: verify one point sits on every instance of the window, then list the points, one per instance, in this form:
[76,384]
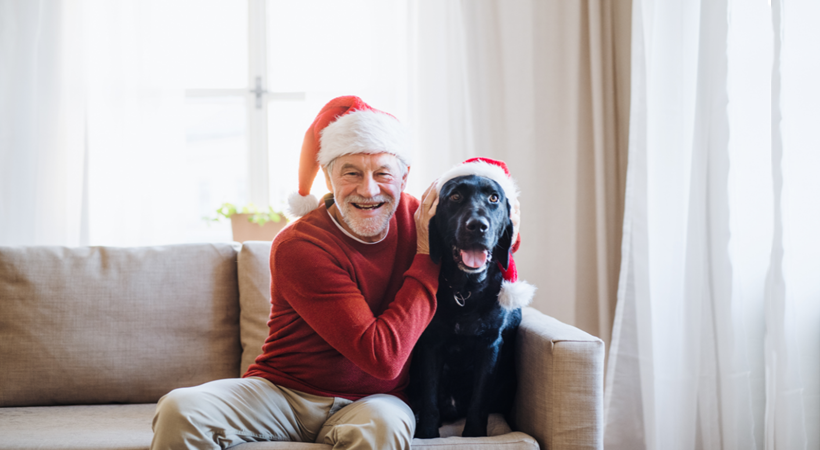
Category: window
[255,76]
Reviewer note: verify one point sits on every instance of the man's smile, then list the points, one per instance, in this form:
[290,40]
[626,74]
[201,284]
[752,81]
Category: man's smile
[368,206]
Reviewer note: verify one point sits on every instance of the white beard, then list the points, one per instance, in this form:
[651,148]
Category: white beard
[370,226]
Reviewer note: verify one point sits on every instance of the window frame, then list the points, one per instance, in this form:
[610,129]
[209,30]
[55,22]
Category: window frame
[257,99]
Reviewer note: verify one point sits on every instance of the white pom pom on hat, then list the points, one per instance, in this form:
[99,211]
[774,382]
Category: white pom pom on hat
[345,125]
[299,205]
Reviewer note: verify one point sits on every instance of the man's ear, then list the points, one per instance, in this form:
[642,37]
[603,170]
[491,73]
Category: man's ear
[435,241]
[501,251]
[327,179]
[404,179]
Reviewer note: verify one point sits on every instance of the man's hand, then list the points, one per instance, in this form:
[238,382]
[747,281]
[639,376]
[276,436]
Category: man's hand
[426,211]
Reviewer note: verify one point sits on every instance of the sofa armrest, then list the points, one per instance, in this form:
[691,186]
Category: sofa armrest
[560,384]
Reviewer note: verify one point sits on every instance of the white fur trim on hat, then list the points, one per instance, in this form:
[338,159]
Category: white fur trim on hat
[364,131]
[482,169]
[299,205]
[515,295]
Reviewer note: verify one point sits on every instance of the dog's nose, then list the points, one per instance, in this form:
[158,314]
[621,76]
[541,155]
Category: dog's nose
[479,224]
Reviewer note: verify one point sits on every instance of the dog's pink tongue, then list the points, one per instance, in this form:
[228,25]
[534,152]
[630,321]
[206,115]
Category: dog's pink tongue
[474,258]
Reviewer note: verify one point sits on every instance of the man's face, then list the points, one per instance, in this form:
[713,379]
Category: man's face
[367,190]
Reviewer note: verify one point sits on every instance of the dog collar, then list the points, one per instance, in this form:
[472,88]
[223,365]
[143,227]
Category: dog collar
[460,299]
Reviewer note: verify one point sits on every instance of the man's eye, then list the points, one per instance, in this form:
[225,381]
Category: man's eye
[455,197]
[494,198]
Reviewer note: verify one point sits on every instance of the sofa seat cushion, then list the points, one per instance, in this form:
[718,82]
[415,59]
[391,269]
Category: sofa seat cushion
[92,427]
[114,427]
[500,437]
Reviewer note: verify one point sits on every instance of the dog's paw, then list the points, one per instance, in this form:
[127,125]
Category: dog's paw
[426,431]
[427,424]
[474,429]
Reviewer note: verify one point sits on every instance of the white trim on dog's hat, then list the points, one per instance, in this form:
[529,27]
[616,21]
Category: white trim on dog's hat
[483,167]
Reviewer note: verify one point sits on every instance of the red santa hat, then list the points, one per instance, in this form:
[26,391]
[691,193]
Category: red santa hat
[514,293]
[346,125]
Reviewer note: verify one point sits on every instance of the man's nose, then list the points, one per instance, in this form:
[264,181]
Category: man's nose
[369,187]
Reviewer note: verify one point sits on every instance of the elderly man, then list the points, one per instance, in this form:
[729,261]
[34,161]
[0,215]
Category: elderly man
[352,289]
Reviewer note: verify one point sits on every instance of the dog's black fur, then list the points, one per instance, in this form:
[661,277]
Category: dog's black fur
[463,364]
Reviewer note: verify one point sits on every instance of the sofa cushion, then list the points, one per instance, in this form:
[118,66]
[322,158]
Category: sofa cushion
[92,427]
[254,298]
[115,325]
[499,437]
[128,427]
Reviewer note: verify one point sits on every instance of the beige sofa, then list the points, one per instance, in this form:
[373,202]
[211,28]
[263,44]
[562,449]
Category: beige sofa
[91,338]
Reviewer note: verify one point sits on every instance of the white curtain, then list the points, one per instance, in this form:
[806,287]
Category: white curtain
[42,125]
[540,85]
[716,341]
[92,138]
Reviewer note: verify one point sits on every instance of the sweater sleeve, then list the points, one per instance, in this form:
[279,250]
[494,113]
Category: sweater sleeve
[337,311]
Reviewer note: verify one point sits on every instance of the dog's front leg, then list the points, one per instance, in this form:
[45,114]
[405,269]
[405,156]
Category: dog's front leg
[479,410]
[427,362]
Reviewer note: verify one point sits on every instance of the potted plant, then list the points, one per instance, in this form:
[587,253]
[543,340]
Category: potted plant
[251,223]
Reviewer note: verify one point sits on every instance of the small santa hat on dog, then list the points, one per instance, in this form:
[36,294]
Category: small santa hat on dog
[514,294]
[345,125]
[485,167]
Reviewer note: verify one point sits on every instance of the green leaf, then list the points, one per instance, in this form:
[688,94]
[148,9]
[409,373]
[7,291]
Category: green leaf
[258,216]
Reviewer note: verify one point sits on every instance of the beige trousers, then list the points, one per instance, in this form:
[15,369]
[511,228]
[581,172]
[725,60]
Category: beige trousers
[224,413]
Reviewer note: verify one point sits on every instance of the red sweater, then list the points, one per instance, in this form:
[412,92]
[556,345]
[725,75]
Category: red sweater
[346,315]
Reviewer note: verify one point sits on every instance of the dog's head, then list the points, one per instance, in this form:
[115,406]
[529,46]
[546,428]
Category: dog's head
[472,224]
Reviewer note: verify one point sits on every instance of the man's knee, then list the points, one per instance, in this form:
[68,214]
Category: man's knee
[393,414]
[177,403]
[174,421]
[177,406]
[379,421]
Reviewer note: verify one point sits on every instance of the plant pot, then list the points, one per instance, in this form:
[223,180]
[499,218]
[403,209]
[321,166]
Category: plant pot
[243,230]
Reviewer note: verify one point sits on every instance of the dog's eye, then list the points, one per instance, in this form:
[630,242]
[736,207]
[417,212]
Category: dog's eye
[455,197]
[494,198]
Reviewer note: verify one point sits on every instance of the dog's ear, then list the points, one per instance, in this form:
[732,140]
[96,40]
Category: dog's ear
[435,242]
[501,252]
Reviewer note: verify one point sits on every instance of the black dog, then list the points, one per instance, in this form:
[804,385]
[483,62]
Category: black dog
[463,364]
